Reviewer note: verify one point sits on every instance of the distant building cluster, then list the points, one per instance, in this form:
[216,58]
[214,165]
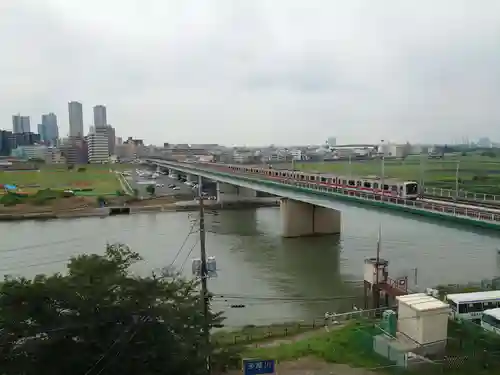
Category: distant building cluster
[97,146]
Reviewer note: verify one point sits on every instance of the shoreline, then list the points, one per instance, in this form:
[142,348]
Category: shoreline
[182,206]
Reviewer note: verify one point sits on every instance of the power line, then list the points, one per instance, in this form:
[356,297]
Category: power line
[101,358]
[188,254]
[184,242]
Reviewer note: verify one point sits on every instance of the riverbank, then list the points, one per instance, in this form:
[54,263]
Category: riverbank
[150,205]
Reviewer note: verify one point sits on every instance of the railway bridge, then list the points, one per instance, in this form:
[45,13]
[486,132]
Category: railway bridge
[302,214]
[311,208]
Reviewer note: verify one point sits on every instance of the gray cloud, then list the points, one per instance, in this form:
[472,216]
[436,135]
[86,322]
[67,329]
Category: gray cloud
[258,72]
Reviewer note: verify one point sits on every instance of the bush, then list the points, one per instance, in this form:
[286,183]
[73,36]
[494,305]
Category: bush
[10,199]
[82,169]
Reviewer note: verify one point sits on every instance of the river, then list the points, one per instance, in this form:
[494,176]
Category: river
[276,279]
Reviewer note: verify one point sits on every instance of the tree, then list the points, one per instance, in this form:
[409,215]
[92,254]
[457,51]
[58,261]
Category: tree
[98,318]
[151,189]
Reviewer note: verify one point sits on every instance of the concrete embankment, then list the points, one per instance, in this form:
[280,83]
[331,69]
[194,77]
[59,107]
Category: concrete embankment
[126,210]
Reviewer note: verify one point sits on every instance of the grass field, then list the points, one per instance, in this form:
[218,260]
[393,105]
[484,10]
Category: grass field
[476,173]
[341,345]
[97,177]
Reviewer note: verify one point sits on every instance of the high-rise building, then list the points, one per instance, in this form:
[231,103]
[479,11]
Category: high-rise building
[20,124]
[111,134]
[97,144]
[75,111]
[6,142]
[49,122]
[100,117]
[42,130]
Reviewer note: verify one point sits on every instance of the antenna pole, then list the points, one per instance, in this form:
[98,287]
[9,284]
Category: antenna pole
[204,276]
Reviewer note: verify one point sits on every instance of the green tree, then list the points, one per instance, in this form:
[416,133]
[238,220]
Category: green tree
[98,318]
[151,189]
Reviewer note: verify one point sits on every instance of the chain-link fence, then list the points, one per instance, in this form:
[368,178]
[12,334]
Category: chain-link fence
[469,351]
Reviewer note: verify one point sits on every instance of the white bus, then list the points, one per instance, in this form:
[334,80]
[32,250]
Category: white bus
[470,306]
[490,321]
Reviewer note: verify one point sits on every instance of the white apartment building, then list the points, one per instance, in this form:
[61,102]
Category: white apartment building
[97,144]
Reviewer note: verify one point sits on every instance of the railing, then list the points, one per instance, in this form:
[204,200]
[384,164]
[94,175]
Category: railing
[459,211]
[447,193]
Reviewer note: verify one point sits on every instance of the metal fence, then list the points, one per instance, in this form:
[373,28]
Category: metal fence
[469,351]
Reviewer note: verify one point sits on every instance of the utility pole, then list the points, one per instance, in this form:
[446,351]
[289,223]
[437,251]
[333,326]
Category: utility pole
[456,180]
[422,170]
[376,290]
[204,277]
[383,170]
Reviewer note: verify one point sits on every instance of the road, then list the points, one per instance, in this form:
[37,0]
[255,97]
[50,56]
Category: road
[140,183]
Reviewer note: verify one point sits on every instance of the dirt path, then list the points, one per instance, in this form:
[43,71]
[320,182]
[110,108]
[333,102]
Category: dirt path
[308,365]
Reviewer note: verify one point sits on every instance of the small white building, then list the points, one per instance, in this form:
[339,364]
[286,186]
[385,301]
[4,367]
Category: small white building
[424,320]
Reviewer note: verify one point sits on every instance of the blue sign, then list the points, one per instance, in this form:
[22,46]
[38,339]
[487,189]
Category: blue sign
[258,366]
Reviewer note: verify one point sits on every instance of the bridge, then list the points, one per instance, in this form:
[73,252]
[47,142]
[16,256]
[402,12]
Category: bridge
[309,208]
[302,214]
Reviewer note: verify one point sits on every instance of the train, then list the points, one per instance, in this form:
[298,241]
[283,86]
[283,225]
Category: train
[371,185]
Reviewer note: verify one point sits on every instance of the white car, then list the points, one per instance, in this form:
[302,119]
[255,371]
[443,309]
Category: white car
[159,185]
[176,188]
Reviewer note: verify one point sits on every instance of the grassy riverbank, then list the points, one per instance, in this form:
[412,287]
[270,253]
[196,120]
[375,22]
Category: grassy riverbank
[476,173]
[101,179]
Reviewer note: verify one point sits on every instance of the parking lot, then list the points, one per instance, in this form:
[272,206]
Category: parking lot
[164,185]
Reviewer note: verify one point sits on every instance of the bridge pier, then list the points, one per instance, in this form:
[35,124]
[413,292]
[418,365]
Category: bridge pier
[226,192]
[300,219]
[191,178]
[231,192]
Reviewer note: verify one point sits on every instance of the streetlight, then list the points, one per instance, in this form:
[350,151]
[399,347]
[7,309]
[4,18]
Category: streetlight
[383,169]
[422,171]
[456,180]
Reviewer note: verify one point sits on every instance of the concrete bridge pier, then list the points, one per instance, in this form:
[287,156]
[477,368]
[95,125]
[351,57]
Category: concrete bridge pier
[226,192]
[300,219]
[191,178]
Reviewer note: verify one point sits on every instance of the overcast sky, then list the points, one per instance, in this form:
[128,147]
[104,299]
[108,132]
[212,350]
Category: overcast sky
[257,71]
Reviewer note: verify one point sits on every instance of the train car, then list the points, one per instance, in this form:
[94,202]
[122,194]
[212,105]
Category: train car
[373,185]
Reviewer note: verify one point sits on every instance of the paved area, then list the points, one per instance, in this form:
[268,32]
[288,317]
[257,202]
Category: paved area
[140,183]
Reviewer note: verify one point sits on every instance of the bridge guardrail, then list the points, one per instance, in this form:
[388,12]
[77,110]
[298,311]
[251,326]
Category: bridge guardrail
[451,210]
[447,193]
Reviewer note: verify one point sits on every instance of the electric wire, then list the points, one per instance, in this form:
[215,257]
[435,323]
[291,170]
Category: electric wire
[103,356]
[184,242]
[134,332]
[188,254]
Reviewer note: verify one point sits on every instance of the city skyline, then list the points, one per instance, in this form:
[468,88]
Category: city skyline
[261,72]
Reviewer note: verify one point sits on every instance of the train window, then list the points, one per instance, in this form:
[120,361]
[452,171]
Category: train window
[375,185]
[367,184]
[411,188]
[386,187]
[344,182]
[323,179]
[394,188]
[352,182]
[302,176]
[358,183]
[312,178]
